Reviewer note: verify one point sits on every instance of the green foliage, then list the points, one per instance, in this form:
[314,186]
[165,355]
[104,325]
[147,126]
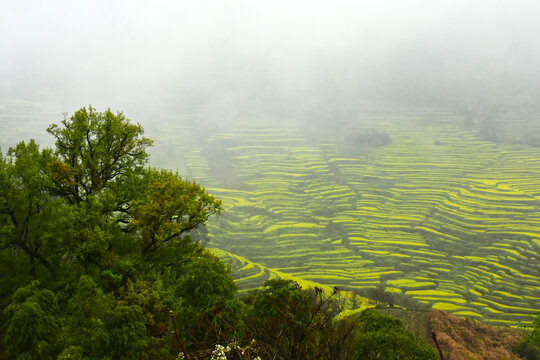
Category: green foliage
[280,315]
[109,241]
[534,335]
[278,304]
[87,231]
[71,353]
[94,149]
[205,279]
[384,337]
[86,312]
[101,325]
[32,322]
[289,323]
[14,270]
[169,207]
[208,312]
[530,348]
[25,203]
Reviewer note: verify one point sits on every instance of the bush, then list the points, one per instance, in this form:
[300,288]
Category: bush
[384,337]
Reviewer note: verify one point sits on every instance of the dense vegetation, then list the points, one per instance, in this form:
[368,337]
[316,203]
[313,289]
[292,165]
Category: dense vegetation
[95,247]
[101,257]
[97,262]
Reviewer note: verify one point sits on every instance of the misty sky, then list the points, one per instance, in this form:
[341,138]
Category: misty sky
[168,54]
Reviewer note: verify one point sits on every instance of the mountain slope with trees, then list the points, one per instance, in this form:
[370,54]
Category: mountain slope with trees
[97,262]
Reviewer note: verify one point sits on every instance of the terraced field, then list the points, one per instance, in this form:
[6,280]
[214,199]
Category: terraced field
[438,214]
[25,120]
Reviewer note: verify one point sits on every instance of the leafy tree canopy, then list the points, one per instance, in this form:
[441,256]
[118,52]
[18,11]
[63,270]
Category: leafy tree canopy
[385,337]
[96,245]
[94,149]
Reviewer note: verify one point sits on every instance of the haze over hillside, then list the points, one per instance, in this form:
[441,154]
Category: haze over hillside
[353,143]
[164,57]
[268,172]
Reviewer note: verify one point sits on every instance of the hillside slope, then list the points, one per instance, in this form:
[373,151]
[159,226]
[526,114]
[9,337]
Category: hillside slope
[438,213]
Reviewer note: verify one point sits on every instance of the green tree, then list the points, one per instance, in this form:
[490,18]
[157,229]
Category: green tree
[290,323]
[101,325]
[280,313]
[108,239]
[209,312]
[33,323]
[169,207]
[94,149]
[384,337]
[25,203]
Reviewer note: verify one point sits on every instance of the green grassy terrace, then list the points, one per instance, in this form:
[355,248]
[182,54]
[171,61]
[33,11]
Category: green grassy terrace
[439,214]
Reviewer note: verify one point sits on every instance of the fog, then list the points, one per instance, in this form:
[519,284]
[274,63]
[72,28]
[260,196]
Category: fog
[151,59]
